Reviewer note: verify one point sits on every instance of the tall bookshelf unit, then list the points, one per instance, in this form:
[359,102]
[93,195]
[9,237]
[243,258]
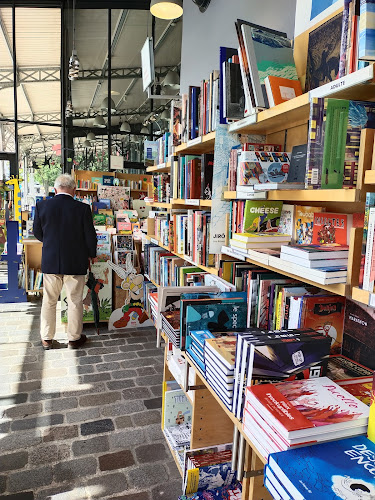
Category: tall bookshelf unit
[285,124]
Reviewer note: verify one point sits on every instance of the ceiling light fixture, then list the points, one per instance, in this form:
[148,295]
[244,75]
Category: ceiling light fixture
[90,136]
[86,144]
[172,80]
[108,103]
[166,9]
[74,61]
[144,130]
[99,122]
[165,115]
[125,127]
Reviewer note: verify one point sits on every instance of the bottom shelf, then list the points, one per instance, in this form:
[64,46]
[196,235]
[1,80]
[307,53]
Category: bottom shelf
[174,455]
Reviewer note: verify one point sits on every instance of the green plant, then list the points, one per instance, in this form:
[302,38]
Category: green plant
[47,174]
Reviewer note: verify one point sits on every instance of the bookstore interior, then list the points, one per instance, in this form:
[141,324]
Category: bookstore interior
[233,196]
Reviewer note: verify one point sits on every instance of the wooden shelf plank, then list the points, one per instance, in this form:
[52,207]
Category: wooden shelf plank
[192,202]
[206,144]
[162,167]
[370,177]
[363,296]
[156,204]
[308,195]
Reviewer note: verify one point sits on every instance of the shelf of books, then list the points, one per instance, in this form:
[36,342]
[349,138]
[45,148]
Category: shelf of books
[279,310]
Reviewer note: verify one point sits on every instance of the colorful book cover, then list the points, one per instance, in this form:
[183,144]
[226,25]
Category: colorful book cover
[286,224]
[262,216]
[309,405]
[207,170]
[304,224]
[329,228]
[325,315]
[360,388]
[223,348]
[370,202]
[281,89]
[339,469]
[324,53]
[210,477]
[357,344]
[177,408]
[261,172]
[315,144]
[216,317]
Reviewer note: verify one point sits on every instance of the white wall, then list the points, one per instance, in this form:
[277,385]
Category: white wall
[203,34]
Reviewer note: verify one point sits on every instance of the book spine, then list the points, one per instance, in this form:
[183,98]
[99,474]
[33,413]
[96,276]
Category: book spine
[369,250]
[315,145]
[366,44]
[344,38]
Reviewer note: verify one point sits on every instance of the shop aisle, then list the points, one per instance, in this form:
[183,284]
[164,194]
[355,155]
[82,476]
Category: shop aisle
[81,424]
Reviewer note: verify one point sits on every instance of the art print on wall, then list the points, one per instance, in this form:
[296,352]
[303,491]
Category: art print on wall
[324,53]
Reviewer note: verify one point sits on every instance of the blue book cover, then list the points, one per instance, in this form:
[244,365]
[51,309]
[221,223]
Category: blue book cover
[339,469]
[196,360]
[199,336]
[108,180]
[217,317]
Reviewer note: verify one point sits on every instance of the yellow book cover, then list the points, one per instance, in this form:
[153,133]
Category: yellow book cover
[304,223]
[192,481]
[278,310]
[371,419]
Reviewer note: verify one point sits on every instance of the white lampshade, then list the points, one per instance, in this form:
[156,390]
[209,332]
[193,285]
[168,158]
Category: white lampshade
[90,136]
[144,130]
[166,9]
[125,127]
[108,103]
[172,80]
[86,144]
[99,122]
[166,115]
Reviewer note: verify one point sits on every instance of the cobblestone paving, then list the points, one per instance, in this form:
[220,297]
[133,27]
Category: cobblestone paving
[81,424]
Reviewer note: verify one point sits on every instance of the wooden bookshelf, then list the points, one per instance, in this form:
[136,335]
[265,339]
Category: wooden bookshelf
[363,296]
[308,195]
[157,204]
[162,167]
[192,202]
[370,177]
[211,270]
[203,144]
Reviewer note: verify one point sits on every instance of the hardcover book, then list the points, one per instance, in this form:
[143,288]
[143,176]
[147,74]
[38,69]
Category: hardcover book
[209,477]
[262,216]
[281,89]
[298,160]
[361,388]
[308,407]
[207,169]
[224,349]
[177,408]
[340,469]
[342,368]
[329,228]
[216,317]
[325,315]
[304,224]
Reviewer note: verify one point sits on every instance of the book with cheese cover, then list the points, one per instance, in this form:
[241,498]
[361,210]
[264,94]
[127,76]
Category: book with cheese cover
[262,216]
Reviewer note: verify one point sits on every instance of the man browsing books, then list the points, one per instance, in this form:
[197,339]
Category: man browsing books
[66,229]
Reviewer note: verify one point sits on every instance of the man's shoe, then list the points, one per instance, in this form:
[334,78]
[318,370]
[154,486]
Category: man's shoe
[75,344]
[47,344]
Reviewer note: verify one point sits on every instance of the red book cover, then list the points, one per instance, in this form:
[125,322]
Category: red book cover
[330,228]
[325,314]
[360,388]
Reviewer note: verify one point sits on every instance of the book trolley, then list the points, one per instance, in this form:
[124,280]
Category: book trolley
[287,124]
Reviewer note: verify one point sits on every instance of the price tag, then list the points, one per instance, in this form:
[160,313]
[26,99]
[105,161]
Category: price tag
[192,201]
[250,195]
[372,300]
[161,165]
[154,241]
[194,142]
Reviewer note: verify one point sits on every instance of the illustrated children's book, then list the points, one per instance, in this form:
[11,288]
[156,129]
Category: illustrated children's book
[304,224]
[177,408]
[341,469]
[262,216]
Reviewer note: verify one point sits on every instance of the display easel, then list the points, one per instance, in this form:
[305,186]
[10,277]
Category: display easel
[11,293]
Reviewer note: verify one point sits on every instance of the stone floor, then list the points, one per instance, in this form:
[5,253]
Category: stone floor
[81,424]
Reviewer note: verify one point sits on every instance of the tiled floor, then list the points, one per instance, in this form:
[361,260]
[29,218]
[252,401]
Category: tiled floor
[81,424]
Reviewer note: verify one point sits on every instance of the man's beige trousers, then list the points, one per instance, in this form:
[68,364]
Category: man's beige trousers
[52,285]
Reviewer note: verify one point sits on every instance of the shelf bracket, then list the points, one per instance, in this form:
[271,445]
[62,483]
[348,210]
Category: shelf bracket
[253,473]
[196,387]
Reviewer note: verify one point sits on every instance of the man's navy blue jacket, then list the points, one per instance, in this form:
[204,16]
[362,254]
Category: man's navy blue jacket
[66,229]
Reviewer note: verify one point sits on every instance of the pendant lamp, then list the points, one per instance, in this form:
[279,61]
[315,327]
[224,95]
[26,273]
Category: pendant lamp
[125,127]
[74,65]
[99,122]
[165,115]
[166,9]
[90,136]
[144,130]
[86,144]
[172,80]
[107,104]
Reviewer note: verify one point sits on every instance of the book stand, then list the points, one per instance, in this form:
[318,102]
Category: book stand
[11,293]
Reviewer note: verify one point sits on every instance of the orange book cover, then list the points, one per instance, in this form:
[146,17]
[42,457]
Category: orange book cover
[325,315]
[281,89]
[331,228]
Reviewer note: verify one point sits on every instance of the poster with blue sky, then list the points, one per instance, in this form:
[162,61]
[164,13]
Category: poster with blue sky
[318,6]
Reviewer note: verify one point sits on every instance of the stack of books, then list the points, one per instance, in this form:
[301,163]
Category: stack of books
[341,469]
[318,262]
[243,242]
[153,301]
[302,412]
[277,355]
[170,323]
[178,436]
[219,356]
[195,343]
